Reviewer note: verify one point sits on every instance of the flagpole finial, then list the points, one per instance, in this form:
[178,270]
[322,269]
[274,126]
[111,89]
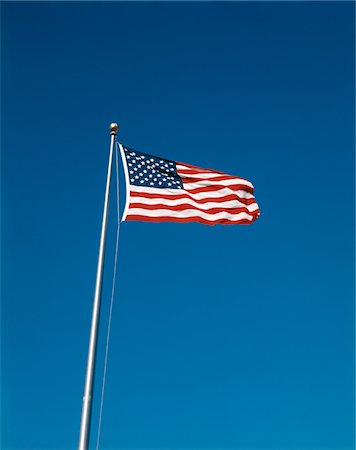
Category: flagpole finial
[114,128]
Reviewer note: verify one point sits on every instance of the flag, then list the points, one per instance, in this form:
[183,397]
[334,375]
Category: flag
[160,190]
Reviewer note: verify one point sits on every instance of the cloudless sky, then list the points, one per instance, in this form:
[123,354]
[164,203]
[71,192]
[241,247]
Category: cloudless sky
[225,337]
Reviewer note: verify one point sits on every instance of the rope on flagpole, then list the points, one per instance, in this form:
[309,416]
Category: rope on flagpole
[111,300]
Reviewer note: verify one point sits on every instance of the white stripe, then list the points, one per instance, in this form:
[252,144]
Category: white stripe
[199,196]
[127,182]
[189,213]
[206,183]
[185,201]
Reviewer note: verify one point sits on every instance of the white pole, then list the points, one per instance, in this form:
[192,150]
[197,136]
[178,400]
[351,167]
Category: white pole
[88,390]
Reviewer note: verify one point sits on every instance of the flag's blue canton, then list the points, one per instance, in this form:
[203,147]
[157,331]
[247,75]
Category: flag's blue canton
[150,171]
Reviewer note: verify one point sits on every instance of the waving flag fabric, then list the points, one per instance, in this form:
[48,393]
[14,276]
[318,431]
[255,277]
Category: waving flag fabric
[160,190]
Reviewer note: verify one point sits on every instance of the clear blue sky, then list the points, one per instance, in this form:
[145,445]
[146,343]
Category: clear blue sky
[235,337]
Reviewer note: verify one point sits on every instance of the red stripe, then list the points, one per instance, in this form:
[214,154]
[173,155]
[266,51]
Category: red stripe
[232,187]
[191,172]
[183,207]
[198,171]
[188,179]
[225,198]
[189,219]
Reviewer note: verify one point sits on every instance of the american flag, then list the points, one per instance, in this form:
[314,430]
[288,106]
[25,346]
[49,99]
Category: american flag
[160,190]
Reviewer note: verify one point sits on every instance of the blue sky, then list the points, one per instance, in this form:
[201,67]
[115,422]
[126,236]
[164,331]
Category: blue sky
[226,337]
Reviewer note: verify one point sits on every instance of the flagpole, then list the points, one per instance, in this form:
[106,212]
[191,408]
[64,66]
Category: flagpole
[88,390]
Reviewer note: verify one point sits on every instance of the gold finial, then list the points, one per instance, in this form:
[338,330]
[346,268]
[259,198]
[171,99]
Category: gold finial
[114,128]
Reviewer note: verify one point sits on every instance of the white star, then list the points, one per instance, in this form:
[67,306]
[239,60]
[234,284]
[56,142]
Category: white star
[130,164]
[132,180]
[134,160]
[145,171]
[141,181]
[131,172]
[151,184]
[160,182]
[169,184]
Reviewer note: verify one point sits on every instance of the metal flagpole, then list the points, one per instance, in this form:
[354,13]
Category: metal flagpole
[88,390]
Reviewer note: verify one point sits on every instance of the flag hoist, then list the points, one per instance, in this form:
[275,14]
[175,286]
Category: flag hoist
[88,389]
